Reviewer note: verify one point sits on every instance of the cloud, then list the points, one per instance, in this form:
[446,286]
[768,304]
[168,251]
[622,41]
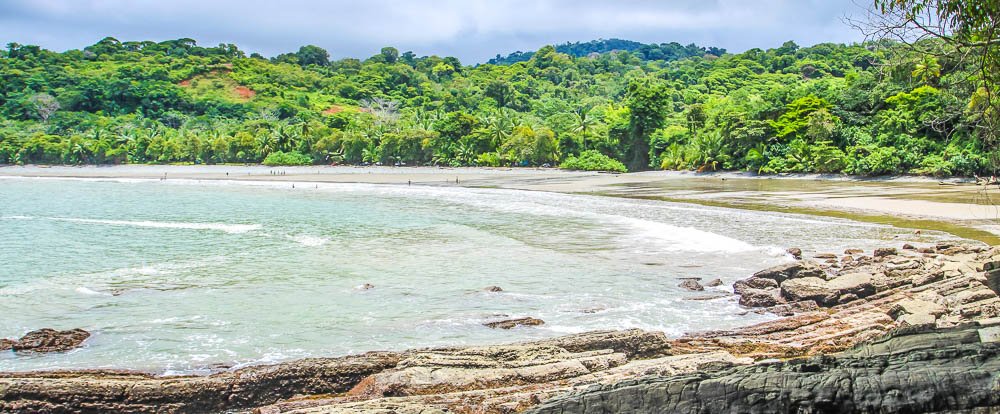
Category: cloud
[472,30]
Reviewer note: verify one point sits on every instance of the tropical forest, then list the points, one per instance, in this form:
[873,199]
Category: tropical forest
[872,108]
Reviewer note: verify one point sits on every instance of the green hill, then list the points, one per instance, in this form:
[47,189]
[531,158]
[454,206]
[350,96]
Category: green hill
[828,108]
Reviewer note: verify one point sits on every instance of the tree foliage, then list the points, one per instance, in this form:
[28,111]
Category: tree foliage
[828,108]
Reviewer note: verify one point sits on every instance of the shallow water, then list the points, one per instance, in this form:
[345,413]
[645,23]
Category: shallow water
[183,276]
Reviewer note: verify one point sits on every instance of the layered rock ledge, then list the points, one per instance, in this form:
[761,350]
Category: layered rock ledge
[910,330]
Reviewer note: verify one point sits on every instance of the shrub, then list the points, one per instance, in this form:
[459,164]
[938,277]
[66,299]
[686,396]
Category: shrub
[488,159]
[287,158]
[872,160]
[592,160]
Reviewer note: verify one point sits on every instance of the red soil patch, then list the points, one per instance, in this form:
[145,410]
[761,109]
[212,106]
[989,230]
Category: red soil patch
[245,92]
[185,83]
[336,109]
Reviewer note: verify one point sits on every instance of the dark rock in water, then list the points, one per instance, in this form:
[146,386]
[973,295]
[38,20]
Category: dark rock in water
[915,371]
[511,323]
[780,273]
[6,344]
[854,251]
[753,283]
[493,289]
[49,340]
[908,246]
[760,298]
[692,285]
[825,256]
[366,286]
[714,283]
[795,252]
[885,251]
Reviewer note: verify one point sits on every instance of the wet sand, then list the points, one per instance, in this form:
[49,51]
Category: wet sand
[956,206]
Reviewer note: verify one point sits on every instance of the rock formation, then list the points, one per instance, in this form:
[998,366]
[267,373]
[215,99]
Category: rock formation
[920,371]
[46,340]
[512,323]
[925,320]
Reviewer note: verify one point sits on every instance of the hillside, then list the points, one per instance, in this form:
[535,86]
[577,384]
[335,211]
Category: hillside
[828,108]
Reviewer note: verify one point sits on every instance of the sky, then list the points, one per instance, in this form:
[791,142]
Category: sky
[472,30]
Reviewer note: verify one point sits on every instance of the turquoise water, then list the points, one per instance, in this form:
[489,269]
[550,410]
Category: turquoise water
[180,276]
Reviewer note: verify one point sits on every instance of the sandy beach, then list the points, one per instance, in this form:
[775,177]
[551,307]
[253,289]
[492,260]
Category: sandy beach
[957,206]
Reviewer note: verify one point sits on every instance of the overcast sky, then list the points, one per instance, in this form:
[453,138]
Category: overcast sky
[472,30]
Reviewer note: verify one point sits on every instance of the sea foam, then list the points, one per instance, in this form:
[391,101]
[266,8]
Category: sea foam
[310,241]
[225,227]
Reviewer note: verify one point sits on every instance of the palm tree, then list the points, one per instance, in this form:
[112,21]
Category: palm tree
[265,145]
[498,126]
[284,137]
[584,123]
[928,70]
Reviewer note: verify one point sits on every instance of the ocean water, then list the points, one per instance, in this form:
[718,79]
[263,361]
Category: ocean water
[187,277]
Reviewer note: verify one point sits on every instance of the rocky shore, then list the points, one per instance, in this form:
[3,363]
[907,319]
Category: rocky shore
[897,330]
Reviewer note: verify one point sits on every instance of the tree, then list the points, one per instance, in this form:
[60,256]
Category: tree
[928,70]
[970,32]
[44,105]
[390,55]
[584,123]
[647,101]
[531,146]
[501,91]
[313,55]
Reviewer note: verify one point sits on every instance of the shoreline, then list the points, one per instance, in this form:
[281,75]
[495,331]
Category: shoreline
[955,205]
[911,295]
[894,307]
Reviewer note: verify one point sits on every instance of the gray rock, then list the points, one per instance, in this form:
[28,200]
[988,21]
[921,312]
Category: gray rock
[917,307]
[781,273]
[692,285]
[493,289]
[809,288]
[795,252]
[714,283]
[993,279]
[511,323]
[924,278]
[916,319]
[49,340]
[753,283]
[935,371]
[885,251]
[859,284]
[760,298]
